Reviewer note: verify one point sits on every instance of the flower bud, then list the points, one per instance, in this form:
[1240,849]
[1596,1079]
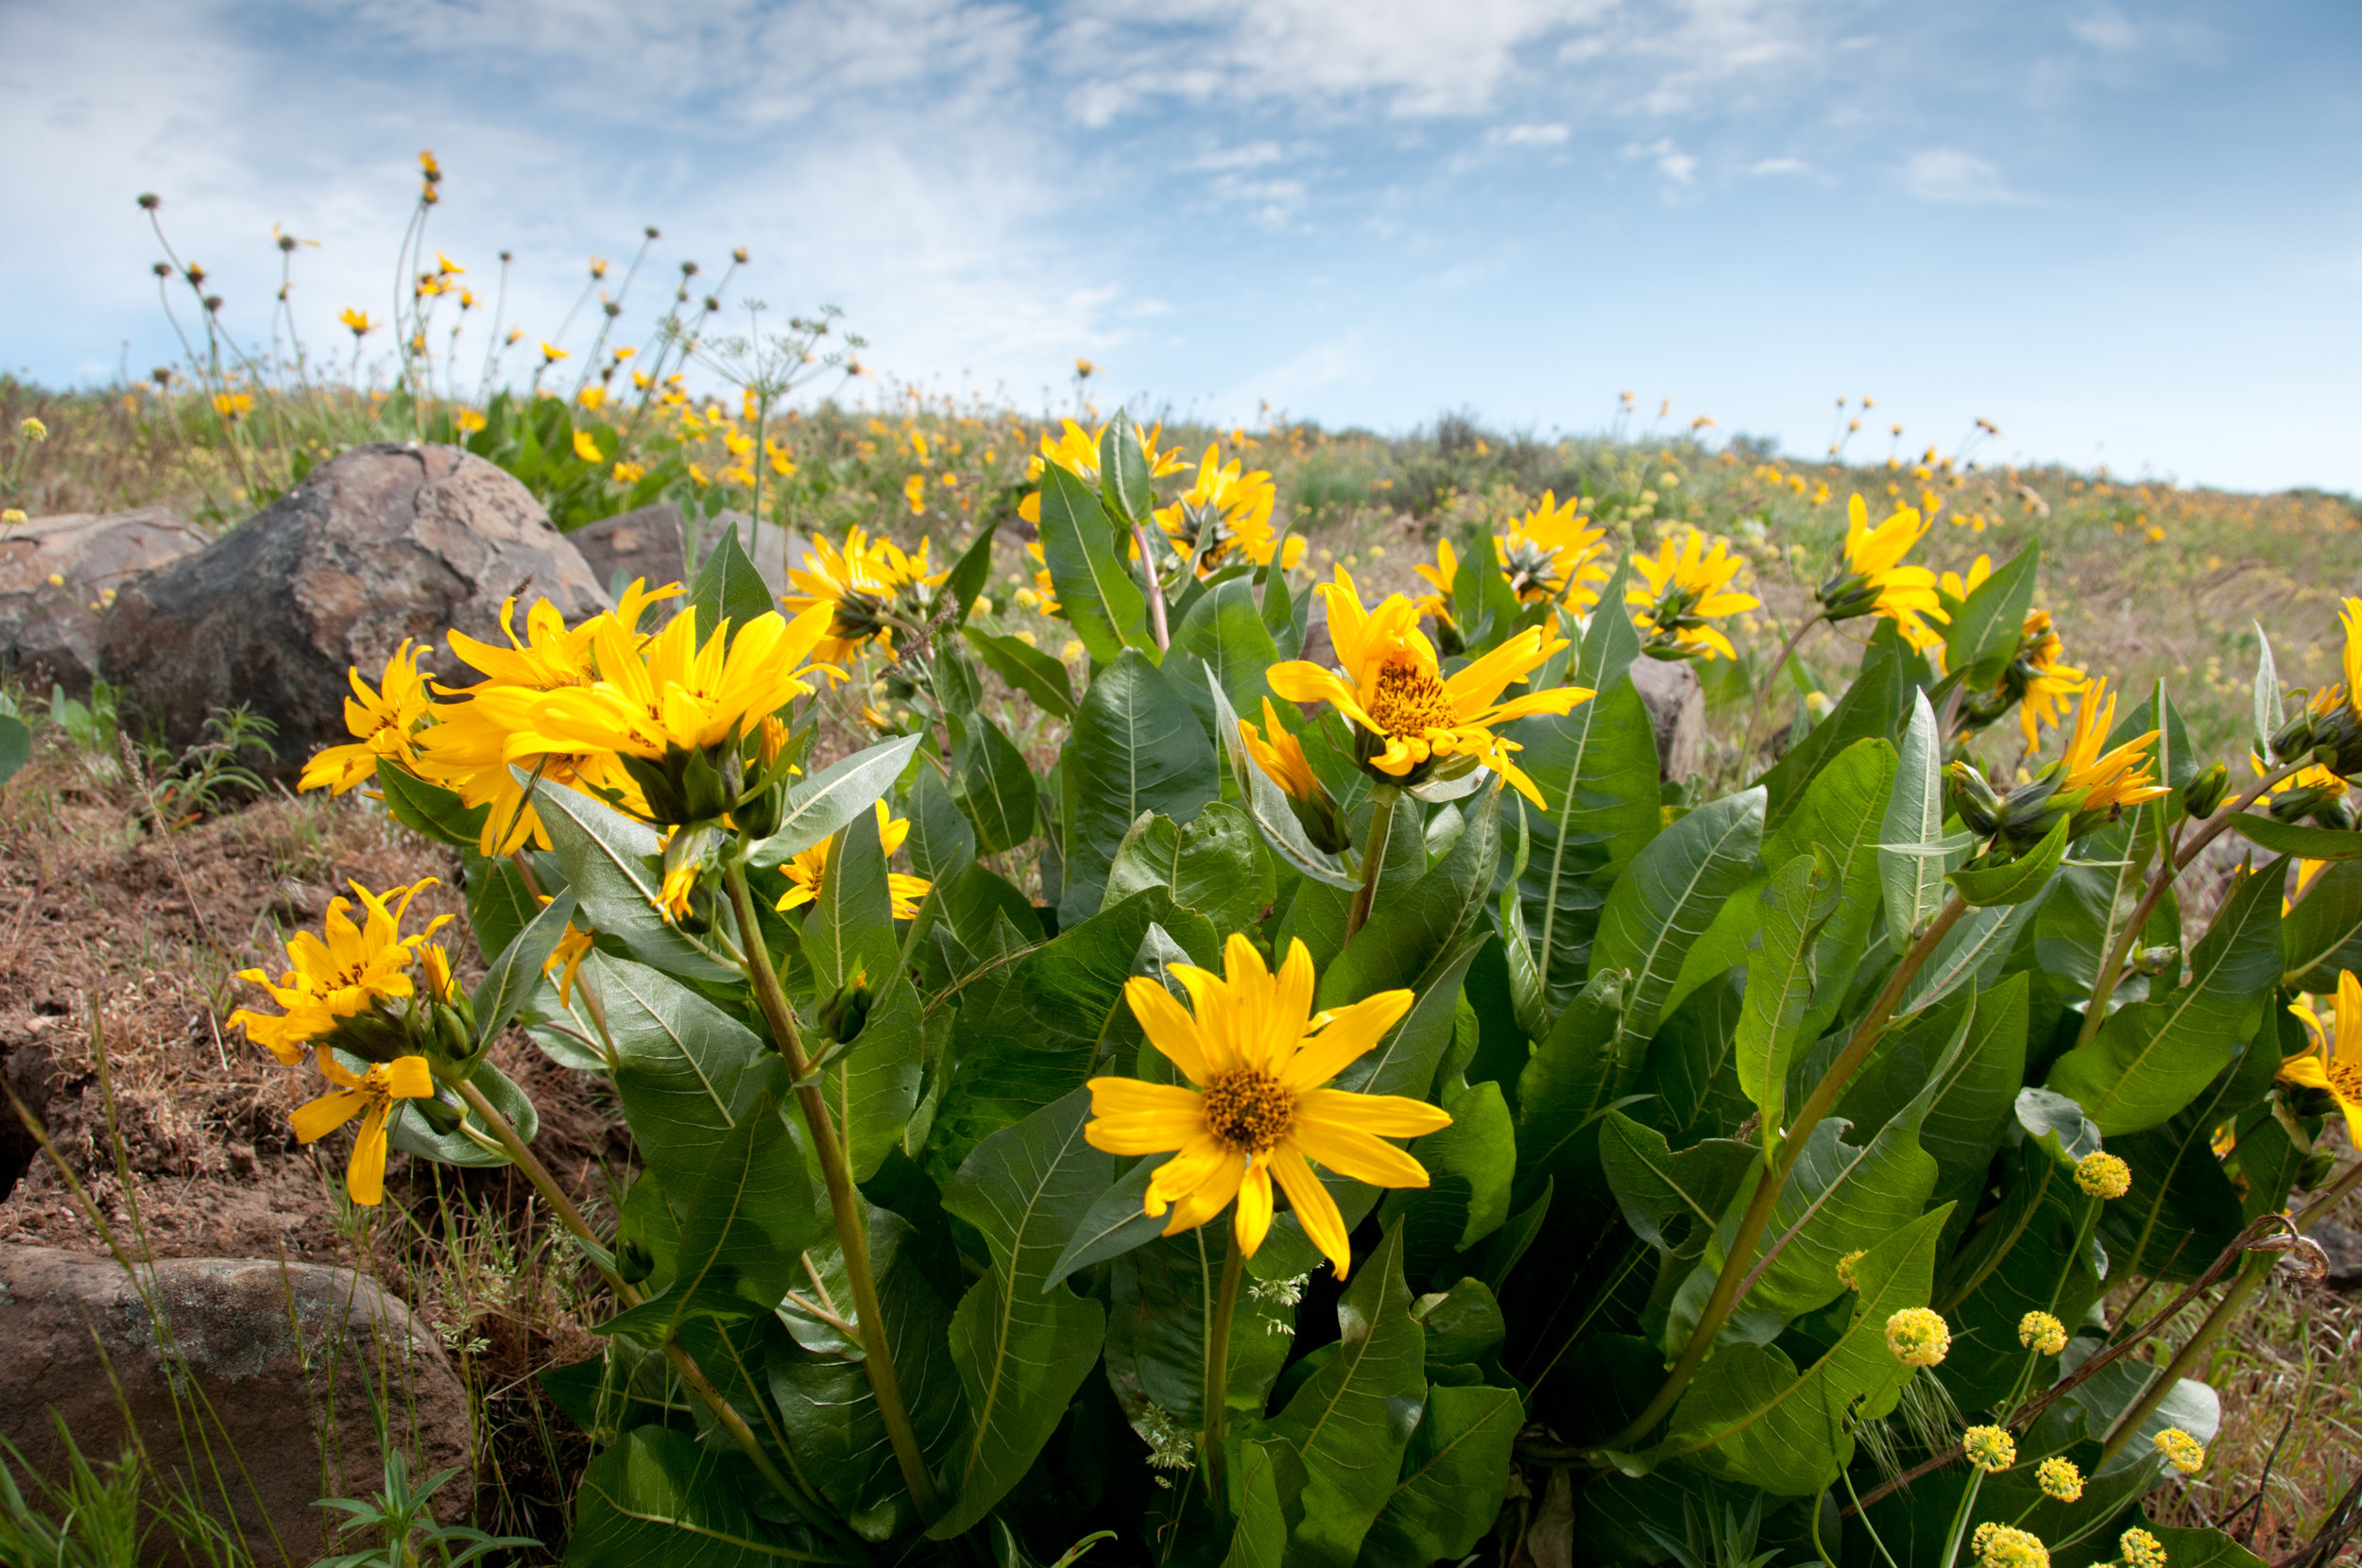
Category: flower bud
[2293,739]
[2201,796]
[2154,961]
[441,1114]
[1974,799]
[843,1015]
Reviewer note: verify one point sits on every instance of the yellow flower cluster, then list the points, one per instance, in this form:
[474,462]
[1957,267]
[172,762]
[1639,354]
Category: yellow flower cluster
[2006,1546]
[2043,1333]
[1989,1448]
[869,588]
[2060,1480]
[2103,1175]
[2181,1451]
[1919,1336]
[2140,1549]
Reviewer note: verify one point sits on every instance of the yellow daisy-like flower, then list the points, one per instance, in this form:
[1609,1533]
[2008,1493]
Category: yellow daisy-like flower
[2006,1546]
[371,1096]
[1238,506]
[343,973]
[860,583]
[2140,1549]
[1258,1110]
[1043,596]
[2103,1175]
[2334,1062]
[1958,586]
[1440,575]
[1282,756]
[1873,580]
[565,961]
[2043,679]
[1919,1336]
[587,448]
[1076,450]
[2181,1451]
[1682,587]
[1406,712]
[1989,1448]
[383,722]
[806,870]
[1551,556]
[358,322]
[2039,1331]
[2059,1479]
[2116,779]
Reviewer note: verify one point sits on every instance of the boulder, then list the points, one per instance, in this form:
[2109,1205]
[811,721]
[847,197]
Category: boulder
[57,573]
[644,542]
[1677,707]
[252,1384]
[385,542]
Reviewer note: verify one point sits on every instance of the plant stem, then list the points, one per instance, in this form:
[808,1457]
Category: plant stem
[2169,866]
[1763,690]
[853,1231]
[1217,1394]
[1959,1519]
[1156,590]
[682,1362]
[1382,800]
[1738,1266]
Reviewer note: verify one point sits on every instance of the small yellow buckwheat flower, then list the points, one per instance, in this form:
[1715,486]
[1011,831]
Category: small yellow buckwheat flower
[2059,1479]
[2006,1546]
[1919,1336]
[2039,1331]
[12,517]
[2103,1175]
[32,429]
[2181,1451]
[1846,1267]
[2140,1549]
[1990,1449]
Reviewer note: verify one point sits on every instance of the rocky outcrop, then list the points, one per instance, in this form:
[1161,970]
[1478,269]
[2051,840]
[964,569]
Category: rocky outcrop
[57,574]
[255,1387]
[1677,707]
[644,542]
[382,543]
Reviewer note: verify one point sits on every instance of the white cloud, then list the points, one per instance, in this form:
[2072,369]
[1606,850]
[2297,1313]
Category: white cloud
[1779,165]
[1548,135]
[1674,164]
[1252,156]
[2106,28]
[1947,174]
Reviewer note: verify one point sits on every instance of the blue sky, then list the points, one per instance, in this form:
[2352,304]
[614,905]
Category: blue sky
[2128,234]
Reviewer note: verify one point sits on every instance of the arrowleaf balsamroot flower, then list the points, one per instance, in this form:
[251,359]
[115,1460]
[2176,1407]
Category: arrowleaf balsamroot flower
[1682,586]
[2040,676]
[344,975]
[1076,450]
[861,583]
[1551,556]
[1871,578]
[1405,710]
[384,722]
[371,1096]
[1281,757]
[807,869]
[1441,577]
[1238,505]
[2334,1062]
[1255,1109]
[2110,780]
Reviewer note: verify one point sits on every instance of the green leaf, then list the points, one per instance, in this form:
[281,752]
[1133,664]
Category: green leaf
[2150,1059]
[823,804]
[2097,894]
[848,927]
[1780,982]
[1210,865]
[2322,936]
[941,844]
[1404,1062]
[431,810]
[1983,1038]
[1260,1535]
[1413,930]
[660,1499]
[2267,714]
[615,868]
[1877,704]
[1974,952]
[1985,631]
[516,973]
[2108,1393]
[2021,1259]
[1224,629]
[16,746]
[686,1071]
[1023,1352]
[1266,804]
[1028,669]
[1352,1420]
[1586,1064]
[409,1133]
[1125,479]
[1469,1167]
[1670,894]
[1454,1475]
[992,785]
[1659,1187]
[1136,746]
[498,903]
[1913,877]
[1096,593]
[1117,1222]
[967,575]
[728,587]
[1158,1299]
[1752,1416]
[2020,880]
[2296,837]
[873,1088]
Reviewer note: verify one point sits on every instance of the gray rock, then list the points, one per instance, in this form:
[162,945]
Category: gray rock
[1677,706]
[644,542]
[2342,1245]
[385,542]
[49,631]
[252,1384]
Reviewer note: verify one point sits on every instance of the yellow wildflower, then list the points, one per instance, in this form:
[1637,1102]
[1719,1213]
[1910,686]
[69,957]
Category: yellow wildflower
[629,474]
[1846,1267]
[2103,1175]
[1237,507]
[12,517]
[371,1096]
[587,448]
[1551,556]
[384,722]
[1990,1449]
[1440,577]
[2043,679]
[1873,580]
[2334,1060]
[1281,756]
[1076,450]
[467,422]
[1680,589]
[341,975]
[2059,1479]
[914,491]
[551,354]
[2006,1546]
[1919,1336]
[2181,1451]
[2043,1333]
[358,321]
[860,585]
[2140,1549]
[806,870]
[1256,1108]
[2120,778]
[30,429]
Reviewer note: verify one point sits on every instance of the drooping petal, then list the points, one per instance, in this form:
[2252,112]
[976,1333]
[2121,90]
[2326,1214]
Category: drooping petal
[1301,681]
[1210,1197]
[315,1119]
[1350,1033]
[1314,1209]
[1253,1218]
[365,1177]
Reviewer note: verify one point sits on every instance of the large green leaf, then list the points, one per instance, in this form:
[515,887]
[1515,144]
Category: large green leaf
[1158,1297]
[614,866]
[2296,837]
[516,973]
[970,573]
[873,1088]
[1983,1037]
[2098,890]
[1404,1061]
[1670,894]
[661,1499]
[1469,1165]
[1877,704]
[1690,1077]
[2148,1060]
[1136,746]
[1117,1222]
[431,810]
[1911,862]
[728,587]
[1672,1199]
[1986,629]
[848,926]
[1752,1416]
[1096,593]
[1211,865]
[1352,1420]
[992,785]
[1054,1021]
[2322,936]
[1225,631]
[1411,931]
[1454,1476]
[2017,881]
[2183,1210]
[686,1071]
[1267,806]
[16,746]
[1028,669]
[823,804]
[1021,1351]
[1780,982]
[408,1132]
[1972,953]
[941,844]
[1261,1536]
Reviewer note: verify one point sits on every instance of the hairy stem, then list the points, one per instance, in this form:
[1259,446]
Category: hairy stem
[1217,1392]
[845,1203]
[1738,1267]
[1382,800]
[1156,590]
